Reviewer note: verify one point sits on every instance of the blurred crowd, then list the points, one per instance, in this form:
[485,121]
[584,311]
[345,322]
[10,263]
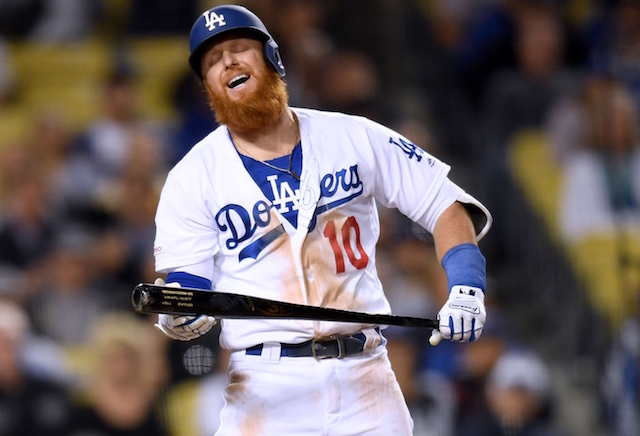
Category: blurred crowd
[461,79]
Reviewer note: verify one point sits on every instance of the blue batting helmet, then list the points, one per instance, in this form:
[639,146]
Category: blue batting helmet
[221,19]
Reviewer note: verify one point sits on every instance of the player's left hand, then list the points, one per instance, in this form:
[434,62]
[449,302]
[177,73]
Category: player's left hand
[462,317]
[182,327]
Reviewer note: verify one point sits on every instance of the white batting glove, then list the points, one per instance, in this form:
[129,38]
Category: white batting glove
[182,327]
[462,317]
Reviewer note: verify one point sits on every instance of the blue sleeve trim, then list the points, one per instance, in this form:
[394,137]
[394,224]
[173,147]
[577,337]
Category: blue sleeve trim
[187,280]
[465,265]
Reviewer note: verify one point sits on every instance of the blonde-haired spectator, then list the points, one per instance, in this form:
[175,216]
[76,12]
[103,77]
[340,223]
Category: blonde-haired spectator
[127,368]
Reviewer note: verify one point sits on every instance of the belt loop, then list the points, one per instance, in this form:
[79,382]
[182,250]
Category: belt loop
[237,355]
[271,352]
[372,340]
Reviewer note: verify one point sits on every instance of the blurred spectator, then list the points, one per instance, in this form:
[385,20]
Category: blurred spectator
[18,17]
[428,88]
[472,365]
[371,28]
[519,99]
[14,160]
[26,230]
[100,153]
[568,121]
[131,203]
[304,45]
[7,75]
[350,84]
[478,36]
[28,405]
[66,21]
[162,17]
[566,126]
[614,37]
[518,399]
[516,100]
[429,395]
[601,191]
[621,381]
[195,119]
[49,147]
[127,372]
[50,143]
[68,300]
[414,281]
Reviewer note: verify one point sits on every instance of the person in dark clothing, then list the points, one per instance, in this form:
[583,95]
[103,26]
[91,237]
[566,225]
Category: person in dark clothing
[28,405]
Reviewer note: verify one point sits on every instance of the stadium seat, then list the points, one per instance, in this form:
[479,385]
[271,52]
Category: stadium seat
[67,77]
[15,124]
[78,103]
[613,287]
[158,62]
[180,408]
[538,175]
[60,63]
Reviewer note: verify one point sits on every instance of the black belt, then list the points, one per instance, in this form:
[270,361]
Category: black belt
[333,347]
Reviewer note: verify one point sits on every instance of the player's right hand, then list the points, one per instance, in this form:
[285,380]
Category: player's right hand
[462,317]
[182,327]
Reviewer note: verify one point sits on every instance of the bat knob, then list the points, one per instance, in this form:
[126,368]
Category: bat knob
[139,298]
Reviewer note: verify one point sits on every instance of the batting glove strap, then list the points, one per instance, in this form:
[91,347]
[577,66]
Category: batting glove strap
[462,317]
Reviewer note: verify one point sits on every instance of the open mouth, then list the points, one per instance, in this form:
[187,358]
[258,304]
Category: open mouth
[237,81]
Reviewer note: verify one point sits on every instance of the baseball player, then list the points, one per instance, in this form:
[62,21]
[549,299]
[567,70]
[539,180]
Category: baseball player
[280,203]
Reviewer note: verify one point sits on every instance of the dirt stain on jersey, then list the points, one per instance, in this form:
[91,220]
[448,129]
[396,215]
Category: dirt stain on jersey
[319,262]
[238,396]
[237,388]
[325,284]
[289,289]
[378,391]
[252,425]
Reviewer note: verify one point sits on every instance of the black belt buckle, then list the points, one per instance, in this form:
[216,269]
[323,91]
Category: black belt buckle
[336,340]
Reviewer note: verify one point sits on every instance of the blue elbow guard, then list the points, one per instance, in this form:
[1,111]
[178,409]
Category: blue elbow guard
[465,265]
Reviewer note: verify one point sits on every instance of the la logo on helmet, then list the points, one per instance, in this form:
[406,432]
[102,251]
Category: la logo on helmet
[211,19]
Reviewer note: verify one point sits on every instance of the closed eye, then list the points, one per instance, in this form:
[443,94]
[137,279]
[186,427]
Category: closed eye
[212,59]
[240,46]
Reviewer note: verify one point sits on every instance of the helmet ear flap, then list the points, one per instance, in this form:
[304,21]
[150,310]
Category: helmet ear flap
[272,55]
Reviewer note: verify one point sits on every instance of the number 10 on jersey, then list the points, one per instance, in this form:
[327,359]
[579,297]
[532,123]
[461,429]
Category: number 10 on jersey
[350,226]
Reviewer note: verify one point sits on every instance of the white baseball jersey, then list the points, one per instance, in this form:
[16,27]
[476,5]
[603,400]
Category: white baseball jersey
[213,220]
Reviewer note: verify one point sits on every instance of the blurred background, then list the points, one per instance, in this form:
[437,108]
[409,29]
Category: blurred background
[534,103]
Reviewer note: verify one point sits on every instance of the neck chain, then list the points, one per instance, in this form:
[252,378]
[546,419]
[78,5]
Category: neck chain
[266,163]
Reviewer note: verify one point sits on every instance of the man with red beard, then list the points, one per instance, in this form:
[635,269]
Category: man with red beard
[280,203]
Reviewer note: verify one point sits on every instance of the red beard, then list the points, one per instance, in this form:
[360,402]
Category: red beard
[261,108]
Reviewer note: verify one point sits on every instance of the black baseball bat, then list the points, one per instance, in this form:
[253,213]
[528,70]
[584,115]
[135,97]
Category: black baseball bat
[148,298]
